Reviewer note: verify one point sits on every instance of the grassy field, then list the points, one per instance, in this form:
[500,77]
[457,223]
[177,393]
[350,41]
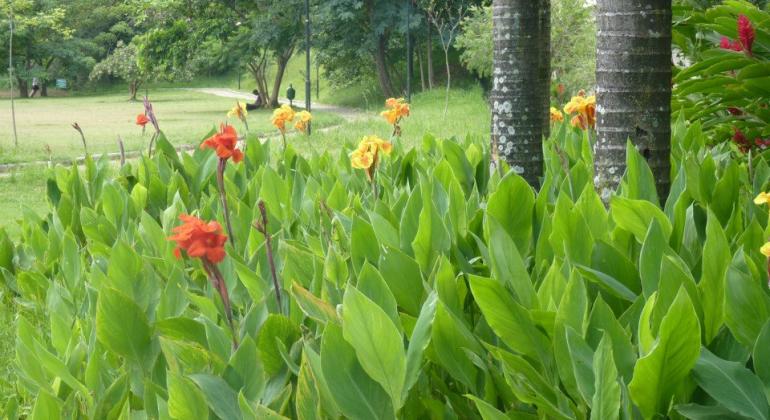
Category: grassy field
[184,116]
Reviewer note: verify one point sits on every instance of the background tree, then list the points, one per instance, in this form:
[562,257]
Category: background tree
[121,64]
[446,17]
[633,74]
[519,95]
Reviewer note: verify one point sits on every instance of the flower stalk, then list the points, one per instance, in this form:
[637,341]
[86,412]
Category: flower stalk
[261,226]
[77,128]
[223,197]
[150,115]
[218,282]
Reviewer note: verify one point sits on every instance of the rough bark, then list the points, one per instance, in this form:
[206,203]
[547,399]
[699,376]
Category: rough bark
[633,75]
[43,88]
[133,87]
[23,87]
[381,64]
[545,62]
[517,93]
[283,60]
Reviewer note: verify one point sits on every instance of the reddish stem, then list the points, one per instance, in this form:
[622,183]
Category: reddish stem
[262,227]
[218,282]
[223,197]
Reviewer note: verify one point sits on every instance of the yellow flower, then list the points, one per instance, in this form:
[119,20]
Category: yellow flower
[238,111]
[762,198]
[361,159]
[585,107]
[556,115]
[374,144]
[281,116]
[765,250]
[304,117]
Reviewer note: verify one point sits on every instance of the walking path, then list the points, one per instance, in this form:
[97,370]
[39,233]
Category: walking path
[349,114]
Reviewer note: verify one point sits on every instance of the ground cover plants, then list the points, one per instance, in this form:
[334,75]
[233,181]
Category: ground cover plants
[425,285]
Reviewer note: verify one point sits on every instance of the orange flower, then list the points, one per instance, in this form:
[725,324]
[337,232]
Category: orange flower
[224,143]
[281,116]
[304,118]
[398,109]
[199,239]
[142,120]
[585,107]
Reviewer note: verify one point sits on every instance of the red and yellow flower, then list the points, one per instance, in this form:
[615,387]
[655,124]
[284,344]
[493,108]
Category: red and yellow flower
[585,108]
[556,115]
[199,239]
[225,143]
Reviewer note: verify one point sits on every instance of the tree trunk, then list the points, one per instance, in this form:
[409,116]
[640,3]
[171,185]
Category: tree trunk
[517,93]
[380,60]
[43,88]
[429,59]
[545,63]
[133,87]
[283,60]
[23,87]
[633,75]
[448,79]
[422,71]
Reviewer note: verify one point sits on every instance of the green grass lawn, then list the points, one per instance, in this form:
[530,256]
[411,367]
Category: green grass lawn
[184,116]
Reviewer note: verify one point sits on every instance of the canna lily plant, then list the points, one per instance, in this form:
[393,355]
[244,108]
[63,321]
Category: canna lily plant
[199,239]
[367,157]
[397,110]
[239,111]
[225,144]
[149,114]
[282,116]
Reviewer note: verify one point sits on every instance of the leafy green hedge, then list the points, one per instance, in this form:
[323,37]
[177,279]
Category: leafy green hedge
[458,293]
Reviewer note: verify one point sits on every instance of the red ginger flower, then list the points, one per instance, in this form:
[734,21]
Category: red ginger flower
[142,120]
[224,142]
[741,141]
[746,33]
[199,239]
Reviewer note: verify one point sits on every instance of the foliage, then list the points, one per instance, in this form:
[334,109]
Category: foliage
[727,90]
[573,40]
[122,64]
[455,290]
[475,41]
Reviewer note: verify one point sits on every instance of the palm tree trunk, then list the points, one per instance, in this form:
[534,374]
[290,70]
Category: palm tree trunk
[633,76]
[545,62]
[517,97]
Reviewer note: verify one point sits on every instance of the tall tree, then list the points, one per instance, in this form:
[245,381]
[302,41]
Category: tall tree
[633,76]
[519,94]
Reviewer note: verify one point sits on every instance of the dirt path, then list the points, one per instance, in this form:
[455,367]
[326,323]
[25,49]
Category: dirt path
[349,114]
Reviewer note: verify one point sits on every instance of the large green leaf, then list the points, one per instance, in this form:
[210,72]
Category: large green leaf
[606,399]
[185,400]
[508,319]
[731,385]
[747,307]
[356,394]
[377,342]
[716,260]
[660,372]
[636,215]
[222,400]
[432,239]
[121,326]
[507,264]
[512,205]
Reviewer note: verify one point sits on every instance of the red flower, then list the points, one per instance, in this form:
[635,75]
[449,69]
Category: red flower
[726,44]
[224,143]
[746,33]
[734,111]
[762,143]
[741,141]
[199,239]
[142,120]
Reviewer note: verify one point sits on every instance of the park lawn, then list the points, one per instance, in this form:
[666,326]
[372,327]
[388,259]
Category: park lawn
[184,116]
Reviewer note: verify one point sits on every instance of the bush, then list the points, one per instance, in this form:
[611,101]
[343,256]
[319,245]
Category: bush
[456,290]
